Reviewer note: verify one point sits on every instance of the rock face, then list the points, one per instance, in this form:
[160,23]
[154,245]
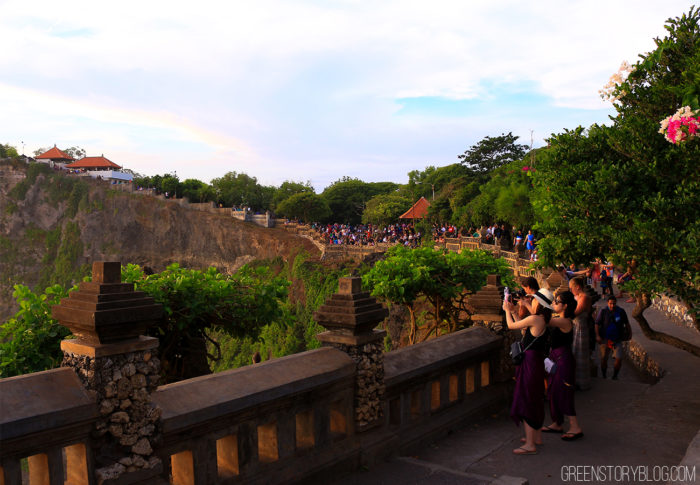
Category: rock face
[116,226]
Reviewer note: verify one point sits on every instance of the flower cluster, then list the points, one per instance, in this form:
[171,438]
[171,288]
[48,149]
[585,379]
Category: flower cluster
[684,124]
[608,91]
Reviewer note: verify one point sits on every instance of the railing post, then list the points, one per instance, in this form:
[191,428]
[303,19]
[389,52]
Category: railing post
[118,366]
[488,303]
[350,317]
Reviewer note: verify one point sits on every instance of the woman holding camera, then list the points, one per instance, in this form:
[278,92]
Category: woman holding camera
[560,386]
[529,375]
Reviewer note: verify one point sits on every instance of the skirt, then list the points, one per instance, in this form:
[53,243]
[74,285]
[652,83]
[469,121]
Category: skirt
[560,385]
[582,353]
[528,398]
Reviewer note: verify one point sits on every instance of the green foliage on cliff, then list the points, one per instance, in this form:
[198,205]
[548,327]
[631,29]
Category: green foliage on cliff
[29,341]
[297,330]
[63,250]
[197,301]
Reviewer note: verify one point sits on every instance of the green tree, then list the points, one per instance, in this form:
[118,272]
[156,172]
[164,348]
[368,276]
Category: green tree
[242,190]
[30,340]
[8,151]
[443,279]
[193,190]
[305,206]
[170,184]
[385,209]
[195,302]
[624,192]
[504,197]
[492,152]
[348,197]
[75,152]
[288,189]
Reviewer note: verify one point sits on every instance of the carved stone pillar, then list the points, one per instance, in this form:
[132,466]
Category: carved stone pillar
[350,317]
[119,368]
[488,307]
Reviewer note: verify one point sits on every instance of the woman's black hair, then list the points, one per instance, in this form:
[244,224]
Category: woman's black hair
[545,312]
[567,298]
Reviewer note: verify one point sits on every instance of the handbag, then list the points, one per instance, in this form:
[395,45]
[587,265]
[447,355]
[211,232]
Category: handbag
[550,367]
[517,352]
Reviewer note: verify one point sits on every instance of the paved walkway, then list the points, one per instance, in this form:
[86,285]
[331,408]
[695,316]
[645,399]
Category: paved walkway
[629,422]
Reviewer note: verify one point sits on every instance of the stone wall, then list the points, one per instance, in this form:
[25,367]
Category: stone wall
[369,385]
[676,311]
[121,385]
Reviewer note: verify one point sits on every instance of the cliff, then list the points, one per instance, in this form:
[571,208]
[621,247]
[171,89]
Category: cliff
[54,225]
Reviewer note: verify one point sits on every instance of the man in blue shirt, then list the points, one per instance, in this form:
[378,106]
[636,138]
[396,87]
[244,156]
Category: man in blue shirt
[609,327]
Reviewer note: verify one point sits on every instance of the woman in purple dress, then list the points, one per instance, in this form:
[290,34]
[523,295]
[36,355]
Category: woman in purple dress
[528,405]
[561,383]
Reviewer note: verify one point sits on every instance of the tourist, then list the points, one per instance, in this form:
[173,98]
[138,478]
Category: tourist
[530,243]
[581,346]
[518,241]
[561,383]
[606,278]
[528,405]
[609,328]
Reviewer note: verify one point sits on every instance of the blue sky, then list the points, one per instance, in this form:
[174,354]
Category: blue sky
[308,90]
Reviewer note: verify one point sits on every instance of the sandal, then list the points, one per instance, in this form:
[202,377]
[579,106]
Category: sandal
[523,451]
[572,436]
[547,429]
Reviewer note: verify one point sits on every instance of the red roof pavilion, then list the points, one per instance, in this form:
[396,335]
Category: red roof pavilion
[56,155]
[94,163]
[419,210]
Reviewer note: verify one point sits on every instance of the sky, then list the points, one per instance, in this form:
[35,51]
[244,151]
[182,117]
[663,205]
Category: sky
[308,90]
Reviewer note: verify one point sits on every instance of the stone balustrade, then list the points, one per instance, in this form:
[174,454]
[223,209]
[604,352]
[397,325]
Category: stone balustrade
[288,420]
[272,422]
[46,418]
[434,385]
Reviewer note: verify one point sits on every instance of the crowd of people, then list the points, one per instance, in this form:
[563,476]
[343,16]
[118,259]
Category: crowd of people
[406,233]
[559,335]
[368,234]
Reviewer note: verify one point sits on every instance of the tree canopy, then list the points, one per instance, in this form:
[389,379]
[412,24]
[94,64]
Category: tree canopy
[305,206]
[196,301]
[441,278]
[492,152]
[624,192]
[348,197]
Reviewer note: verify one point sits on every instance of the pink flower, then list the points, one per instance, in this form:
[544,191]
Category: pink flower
[526,168]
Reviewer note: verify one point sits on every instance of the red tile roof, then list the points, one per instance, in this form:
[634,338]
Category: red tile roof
[418,211]
[55,154]
[93,162]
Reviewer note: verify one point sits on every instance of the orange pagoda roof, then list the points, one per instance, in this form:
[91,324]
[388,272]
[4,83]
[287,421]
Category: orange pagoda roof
[55,154]
[418,211]
[93,162]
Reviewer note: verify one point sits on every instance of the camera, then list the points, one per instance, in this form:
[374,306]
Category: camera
[512,296]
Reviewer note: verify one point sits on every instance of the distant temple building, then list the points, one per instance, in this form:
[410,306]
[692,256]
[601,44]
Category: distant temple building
[100,167]
[419,210]
[55,158]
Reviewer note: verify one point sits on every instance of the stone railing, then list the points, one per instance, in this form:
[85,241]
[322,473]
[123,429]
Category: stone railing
[433,385]
[46,416]
[101,421]
[274,422]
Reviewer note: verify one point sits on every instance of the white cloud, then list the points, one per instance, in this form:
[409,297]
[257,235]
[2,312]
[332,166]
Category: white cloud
[275,88]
